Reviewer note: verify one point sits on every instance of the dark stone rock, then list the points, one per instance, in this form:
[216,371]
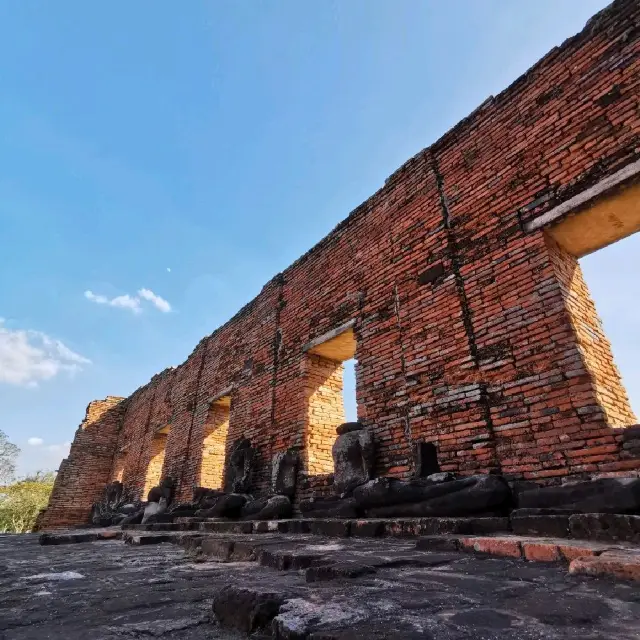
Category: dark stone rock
[113,493]
[330,508]
[226,526]
[425,459]
[128,509]
[605,495]
[154,495]
[154,509]
[521,513]
[442,476]
[245,609]
[273,508]
[227,506]
[367,528]
[353,460]
[284,472]
[553,526]
[252,507]
[159,518]
[488,619]
[184,512]
[166,489]
[134,518]
[389,497]
[296,526]
[204,498]
[437,543]
[331,528]
[565,611]
[202,493]
[218,548]
[432,274]
[338,571]
[349,427]
[605,527]
[240,468]
[631,433]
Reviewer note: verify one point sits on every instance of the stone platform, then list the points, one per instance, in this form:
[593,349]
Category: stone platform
[314,587]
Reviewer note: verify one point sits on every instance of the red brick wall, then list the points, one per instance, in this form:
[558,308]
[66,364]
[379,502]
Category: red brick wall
[466,334]
[83,475]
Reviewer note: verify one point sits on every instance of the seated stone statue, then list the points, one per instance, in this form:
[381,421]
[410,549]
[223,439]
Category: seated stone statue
[269,508]
[277,504]
[353,457]
[284,472]
[153,510]
[240,467]
[228,505]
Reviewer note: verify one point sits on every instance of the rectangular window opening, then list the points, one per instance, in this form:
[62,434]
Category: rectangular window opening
[214,441]
[584,247]
[331,397]
[156,459]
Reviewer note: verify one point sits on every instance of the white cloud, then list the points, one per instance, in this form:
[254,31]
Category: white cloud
[62,448]
[168,269]
[41,458]
[28,357]
[156,300]
[125,302]
[131,302]
[35,442]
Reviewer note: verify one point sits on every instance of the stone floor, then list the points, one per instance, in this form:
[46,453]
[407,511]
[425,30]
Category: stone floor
[367,589]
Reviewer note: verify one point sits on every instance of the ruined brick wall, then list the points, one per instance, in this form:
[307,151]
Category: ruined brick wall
[467,333]
[83,475]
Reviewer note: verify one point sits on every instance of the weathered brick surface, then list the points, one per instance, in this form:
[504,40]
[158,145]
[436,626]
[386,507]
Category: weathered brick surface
[83,475]
[472,332]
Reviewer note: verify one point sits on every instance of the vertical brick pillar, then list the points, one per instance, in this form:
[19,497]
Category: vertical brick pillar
[84,474]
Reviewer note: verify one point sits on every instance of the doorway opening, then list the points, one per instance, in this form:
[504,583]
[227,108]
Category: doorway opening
[214,442]
[156,459]
[589,238]
[327,359]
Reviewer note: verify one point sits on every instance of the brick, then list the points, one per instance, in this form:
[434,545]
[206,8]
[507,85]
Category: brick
[541,552]
[495,546]
[608,565]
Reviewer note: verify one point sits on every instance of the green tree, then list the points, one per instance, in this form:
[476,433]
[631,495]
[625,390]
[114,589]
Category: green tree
[8,455]
[21,502]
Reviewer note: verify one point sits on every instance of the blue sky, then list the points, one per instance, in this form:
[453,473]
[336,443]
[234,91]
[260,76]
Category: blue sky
[170,158]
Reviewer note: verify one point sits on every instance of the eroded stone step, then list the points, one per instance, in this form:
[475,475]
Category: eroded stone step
[77,537]
[308,552]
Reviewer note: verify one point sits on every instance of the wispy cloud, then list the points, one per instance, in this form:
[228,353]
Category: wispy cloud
[133,303]
[125,302]
[35,442]
[28,357]
[156,300]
